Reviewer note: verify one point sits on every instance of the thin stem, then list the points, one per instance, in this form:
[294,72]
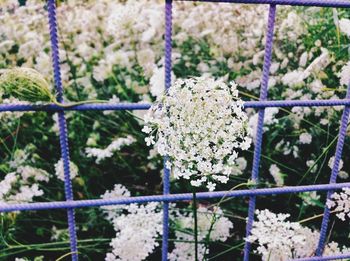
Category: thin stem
[194,208]
[68,105]
[315,217]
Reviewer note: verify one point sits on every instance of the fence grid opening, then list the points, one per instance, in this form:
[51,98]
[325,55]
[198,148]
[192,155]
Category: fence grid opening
[70,204]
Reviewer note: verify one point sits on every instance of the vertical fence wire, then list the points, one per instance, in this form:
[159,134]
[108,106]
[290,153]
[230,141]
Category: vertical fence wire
[51,5]
[259,130]
[334,174]
[167,82]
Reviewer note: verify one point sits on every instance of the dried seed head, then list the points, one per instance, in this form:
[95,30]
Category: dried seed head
[25,84]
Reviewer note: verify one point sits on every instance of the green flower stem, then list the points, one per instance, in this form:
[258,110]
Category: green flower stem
[72,104]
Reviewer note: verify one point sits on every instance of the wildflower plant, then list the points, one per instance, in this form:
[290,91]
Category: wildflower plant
[26,84]
[201,126]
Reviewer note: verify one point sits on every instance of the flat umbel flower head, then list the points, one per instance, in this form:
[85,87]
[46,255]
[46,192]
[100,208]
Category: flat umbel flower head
[201,126]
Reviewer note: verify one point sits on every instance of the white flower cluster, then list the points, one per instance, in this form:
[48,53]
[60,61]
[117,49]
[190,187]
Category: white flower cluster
[137,231]
[342,173]
[60,171]
[280,239]
[340,202]
[116,145]
[310,198]
[202,127]
[220,231]
[277,174]
[138,226]
[269,119]
[21,185]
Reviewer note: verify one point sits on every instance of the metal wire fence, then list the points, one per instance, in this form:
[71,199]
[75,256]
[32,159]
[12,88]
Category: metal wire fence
[70,204]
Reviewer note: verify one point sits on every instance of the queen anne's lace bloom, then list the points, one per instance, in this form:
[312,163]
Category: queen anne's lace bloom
[280,239]
[184,251]
[138,226]
[107,152]
[201,126]
[340,202]
[60,171]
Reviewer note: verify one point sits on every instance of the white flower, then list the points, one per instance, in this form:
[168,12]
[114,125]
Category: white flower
[108,152]
[60,171]
[345,74]
[184,251]
[340,202]
[279,239]
[276,174]
[294,78]
[136,232]
[310,198]
[303,59]
[136,227]
[269,119]
[305,138]
[201,126]
[331,163]
[344,26]
[150,140]
[311,163]
[343,174]
[157,82]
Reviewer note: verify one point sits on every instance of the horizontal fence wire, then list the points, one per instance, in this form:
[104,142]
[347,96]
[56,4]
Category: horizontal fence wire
[319,3]
[170,198]
[145,106]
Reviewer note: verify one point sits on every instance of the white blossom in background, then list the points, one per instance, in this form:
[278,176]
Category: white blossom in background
[108,152]
[202,127]
[118,191]
[310,198]
[157,82]
[345,74]
[340,202]
[305,138]
[269,119]
[10,118]
[137,227]
[294,78]
[184,251]
[331,163]
[311,163]
[136,232]
[22,185]
[277,175]
[60,171]
[344,26]
[333,248]
[280,239]
[343,174]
